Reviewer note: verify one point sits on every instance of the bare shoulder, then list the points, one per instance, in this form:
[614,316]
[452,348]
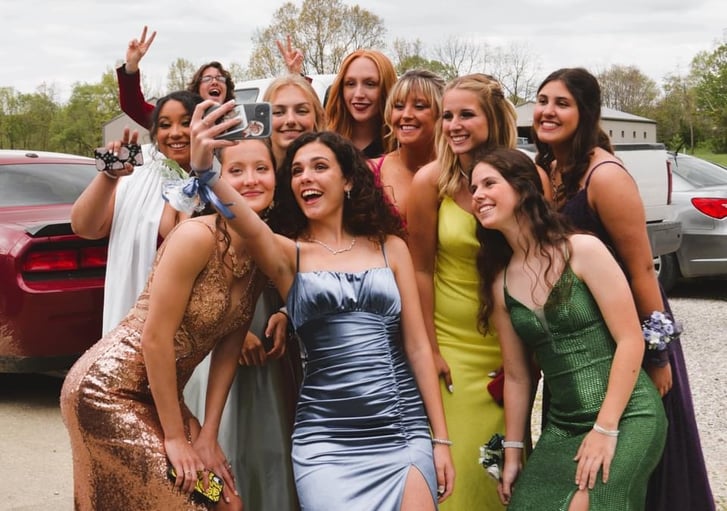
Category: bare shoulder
[396,246]
[427,175]
[195,236]
[587,251]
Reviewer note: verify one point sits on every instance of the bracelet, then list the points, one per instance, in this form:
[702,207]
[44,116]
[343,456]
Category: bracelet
[441,441]
[513,443]
[207,177]
[282,310]
[109,174]
[608,432]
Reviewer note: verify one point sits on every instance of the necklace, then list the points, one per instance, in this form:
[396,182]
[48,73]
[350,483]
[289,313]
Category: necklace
[237,271]
[558,189]
[332,250]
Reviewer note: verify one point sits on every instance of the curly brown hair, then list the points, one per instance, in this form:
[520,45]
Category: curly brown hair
[366,213]
[547,226]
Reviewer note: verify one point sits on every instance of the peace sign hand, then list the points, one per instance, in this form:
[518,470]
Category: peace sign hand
[293,57]
[137,49]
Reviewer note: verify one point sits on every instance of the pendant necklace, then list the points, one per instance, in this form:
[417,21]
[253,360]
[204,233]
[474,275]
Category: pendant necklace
[332,250]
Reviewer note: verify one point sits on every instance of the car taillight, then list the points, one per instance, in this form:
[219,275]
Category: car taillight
[712,207]
[66,259]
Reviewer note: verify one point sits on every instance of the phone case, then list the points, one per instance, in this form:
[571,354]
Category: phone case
[107,161]
[214,489]
[255,122]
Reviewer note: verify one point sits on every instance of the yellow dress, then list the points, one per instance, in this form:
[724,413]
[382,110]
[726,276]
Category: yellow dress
[472,415]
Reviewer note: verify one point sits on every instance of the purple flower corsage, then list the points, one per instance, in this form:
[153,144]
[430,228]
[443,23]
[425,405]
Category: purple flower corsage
[659,330]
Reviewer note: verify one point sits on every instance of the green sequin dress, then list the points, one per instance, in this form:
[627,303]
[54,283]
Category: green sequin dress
[574,350]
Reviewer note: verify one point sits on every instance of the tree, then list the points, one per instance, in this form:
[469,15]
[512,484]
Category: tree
[461,55]
[410,55]
[627,89]
[516,68]
[677,120]
[710,72]
[180,74]
[326,31]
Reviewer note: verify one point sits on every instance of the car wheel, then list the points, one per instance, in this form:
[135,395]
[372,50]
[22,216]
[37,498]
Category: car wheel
[667,270]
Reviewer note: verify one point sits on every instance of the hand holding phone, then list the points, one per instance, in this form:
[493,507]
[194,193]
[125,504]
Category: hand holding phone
[255,121]
[214,489]
[115,164]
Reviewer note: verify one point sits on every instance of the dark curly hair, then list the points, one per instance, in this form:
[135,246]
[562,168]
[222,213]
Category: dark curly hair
[196,80]
[534,213]
[365,213]
[589,135]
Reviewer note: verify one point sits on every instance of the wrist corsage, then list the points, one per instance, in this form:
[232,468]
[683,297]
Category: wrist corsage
[659,330]
[492,456]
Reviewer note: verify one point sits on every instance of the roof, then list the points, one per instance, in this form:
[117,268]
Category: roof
[25,155]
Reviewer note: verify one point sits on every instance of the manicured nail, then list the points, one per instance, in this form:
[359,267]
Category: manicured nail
[450,388]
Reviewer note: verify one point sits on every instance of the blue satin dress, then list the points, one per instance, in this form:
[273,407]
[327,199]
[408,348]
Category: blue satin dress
[360,423]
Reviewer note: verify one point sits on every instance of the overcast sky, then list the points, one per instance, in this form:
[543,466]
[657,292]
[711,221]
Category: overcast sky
[61,43]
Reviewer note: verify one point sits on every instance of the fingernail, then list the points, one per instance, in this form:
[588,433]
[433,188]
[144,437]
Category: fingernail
[450,388]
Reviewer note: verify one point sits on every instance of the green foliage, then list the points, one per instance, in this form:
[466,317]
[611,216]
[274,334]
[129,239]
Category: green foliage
[326,30]
[710,71]
[627,89]
[180,74]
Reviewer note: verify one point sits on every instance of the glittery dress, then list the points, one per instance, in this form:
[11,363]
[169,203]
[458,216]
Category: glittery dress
[680,480]
[119,460]
[472,414]
[360,425]
[575,350]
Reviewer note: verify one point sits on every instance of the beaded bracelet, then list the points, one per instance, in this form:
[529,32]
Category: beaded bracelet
[608,432]
[441,441]
[513,443]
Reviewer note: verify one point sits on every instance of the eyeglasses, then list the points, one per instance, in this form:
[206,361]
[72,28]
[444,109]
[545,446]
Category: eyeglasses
[209,78]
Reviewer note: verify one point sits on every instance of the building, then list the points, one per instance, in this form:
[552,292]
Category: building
[623,128]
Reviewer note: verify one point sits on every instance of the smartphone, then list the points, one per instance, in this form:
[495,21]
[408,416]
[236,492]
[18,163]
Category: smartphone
[214,489]
[255,121]
[108,161]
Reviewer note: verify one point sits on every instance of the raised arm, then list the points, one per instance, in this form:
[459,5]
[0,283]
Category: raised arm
[419,353]
[293,57]
[421,219]
[274,254]
[92,213]
[131,99]
[597,268]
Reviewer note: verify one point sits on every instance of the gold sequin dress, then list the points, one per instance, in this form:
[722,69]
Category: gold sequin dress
[119,460]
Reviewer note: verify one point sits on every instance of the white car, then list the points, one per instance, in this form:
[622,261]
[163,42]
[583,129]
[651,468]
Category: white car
[252,91]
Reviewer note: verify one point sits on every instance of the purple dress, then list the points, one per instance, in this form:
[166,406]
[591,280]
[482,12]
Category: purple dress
[680,480]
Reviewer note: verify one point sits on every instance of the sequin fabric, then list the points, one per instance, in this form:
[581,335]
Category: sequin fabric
[575,349]
[119,461]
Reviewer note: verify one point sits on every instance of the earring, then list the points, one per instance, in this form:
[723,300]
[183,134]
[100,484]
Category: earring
[348,194]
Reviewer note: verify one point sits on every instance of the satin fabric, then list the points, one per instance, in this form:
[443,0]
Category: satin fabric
[360,424]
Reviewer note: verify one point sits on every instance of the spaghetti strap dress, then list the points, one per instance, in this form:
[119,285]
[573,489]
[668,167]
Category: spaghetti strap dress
[574,349]
[360,424]
[472,413]
[117,442]
[680,480]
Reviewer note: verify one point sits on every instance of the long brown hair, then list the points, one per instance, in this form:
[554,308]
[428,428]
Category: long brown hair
[548,228]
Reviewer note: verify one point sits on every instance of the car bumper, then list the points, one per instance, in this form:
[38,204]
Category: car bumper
[664,237]
[703,255]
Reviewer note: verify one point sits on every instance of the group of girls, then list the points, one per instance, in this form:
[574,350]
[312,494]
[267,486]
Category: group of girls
[492,270]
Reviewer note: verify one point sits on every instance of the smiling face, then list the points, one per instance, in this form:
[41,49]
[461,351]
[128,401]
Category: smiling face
[493,198]
[362,90]
[293,114]
[213,84]
[464,123]
[317,181]
[412,120]
[555,116]
[249,168]
[172,134]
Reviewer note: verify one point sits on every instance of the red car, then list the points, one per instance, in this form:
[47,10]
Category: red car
[51,281]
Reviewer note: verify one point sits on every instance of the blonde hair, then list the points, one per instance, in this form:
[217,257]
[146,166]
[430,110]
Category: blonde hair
[415,81]
[339,118]
[501,123]
[308,92]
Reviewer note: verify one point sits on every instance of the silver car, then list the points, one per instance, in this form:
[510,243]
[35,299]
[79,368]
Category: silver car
[699,196]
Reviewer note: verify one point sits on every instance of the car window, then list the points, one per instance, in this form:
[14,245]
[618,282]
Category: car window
[247,95]
[698,172]
[43,183]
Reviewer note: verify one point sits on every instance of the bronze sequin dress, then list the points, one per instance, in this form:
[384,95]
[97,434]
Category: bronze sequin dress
[119,460]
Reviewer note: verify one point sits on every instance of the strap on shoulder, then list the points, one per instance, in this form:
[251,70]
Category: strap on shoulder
[590,173]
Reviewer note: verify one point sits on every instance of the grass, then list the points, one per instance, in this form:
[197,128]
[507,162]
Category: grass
[710,156]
